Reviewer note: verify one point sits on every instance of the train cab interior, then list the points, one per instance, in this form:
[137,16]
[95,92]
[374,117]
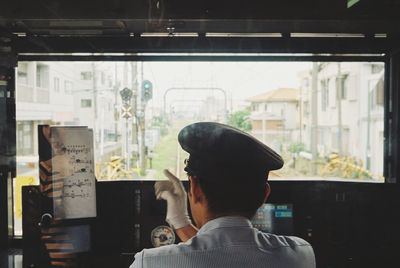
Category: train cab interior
[317,81]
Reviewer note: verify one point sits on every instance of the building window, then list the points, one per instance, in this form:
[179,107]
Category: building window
[24,138]
[306,108]
[22,73]
[86,75]
[377,68]
[56,84]
[324,94]
[332,92]
[22,78]
[42,76]
[68,87]
[254,107]
[343,83]
[86,103]
[378,94]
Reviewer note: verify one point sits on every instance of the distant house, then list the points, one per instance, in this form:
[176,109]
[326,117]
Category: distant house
[275,115]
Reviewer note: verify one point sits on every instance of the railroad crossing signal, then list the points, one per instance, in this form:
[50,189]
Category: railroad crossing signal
[126,94]
[126,111]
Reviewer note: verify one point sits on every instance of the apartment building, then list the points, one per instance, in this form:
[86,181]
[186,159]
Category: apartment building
[44,92]
[348,111]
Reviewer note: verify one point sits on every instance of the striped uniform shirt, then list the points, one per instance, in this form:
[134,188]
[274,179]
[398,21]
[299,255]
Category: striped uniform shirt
[230,242]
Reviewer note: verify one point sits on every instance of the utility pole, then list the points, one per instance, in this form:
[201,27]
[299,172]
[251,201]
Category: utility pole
[142,156]
[116,111]
[125,75]
[127,105]
[301,113]
[314,118]
[368,151]
[339,96]
[126,95]
[142,125]
[134,82]
[146,95]
[94,79]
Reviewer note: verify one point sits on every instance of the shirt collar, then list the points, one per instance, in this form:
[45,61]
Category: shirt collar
[223,222]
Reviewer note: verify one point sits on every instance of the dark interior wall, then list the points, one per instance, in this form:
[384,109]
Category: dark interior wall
[392,113]
[343,218]
[348,224]
[7,152]
[202,45]
[3,211]
[208,9]
[7,130]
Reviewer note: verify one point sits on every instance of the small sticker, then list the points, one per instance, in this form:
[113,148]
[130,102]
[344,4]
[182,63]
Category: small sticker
[283,214]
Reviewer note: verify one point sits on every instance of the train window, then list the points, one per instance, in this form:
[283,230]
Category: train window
[326,119]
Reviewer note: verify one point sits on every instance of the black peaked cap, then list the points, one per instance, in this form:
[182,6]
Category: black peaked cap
[227,147]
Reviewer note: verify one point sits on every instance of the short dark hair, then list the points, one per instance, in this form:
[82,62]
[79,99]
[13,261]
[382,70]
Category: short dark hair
[233,197]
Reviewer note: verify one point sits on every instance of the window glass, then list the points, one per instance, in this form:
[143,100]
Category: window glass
[56,84]
[86,103]
[86,75]
[68,87]
[42,77]
[328,130]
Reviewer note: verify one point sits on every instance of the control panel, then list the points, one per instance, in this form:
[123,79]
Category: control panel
[274,218]
[340,220]
[161,236]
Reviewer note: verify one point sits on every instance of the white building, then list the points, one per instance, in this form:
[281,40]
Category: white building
[44,95]
[79,93]
[96,98]
[349,111]
[65,93]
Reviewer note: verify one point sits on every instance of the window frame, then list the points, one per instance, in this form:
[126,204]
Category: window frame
[391,97]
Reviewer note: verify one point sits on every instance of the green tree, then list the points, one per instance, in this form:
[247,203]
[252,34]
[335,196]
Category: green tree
[296,147]
[240,120]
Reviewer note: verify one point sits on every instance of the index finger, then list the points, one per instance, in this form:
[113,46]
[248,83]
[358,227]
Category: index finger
[172,177]
[161,186]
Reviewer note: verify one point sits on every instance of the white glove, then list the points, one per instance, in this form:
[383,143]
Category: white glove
[174,193]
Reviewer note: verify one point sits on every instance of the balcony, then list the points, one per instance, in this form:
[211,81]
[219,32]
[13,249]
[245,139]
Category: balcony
[24,93]
[42,95]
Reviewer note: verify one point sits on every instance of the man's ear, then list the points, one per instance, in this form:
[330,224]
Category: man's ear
[267,191]
[195,190]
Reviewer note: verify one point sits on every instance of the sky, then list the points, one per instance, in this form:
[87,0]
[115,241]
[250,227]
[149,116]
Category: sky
[240,80]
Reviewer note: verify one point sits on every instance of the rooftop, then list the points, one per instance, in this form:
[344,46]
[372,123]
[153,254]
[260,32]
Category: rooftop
[277,95]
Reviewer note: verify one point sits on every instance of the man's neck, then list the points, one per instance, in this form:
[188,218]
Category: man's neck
[211,216]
